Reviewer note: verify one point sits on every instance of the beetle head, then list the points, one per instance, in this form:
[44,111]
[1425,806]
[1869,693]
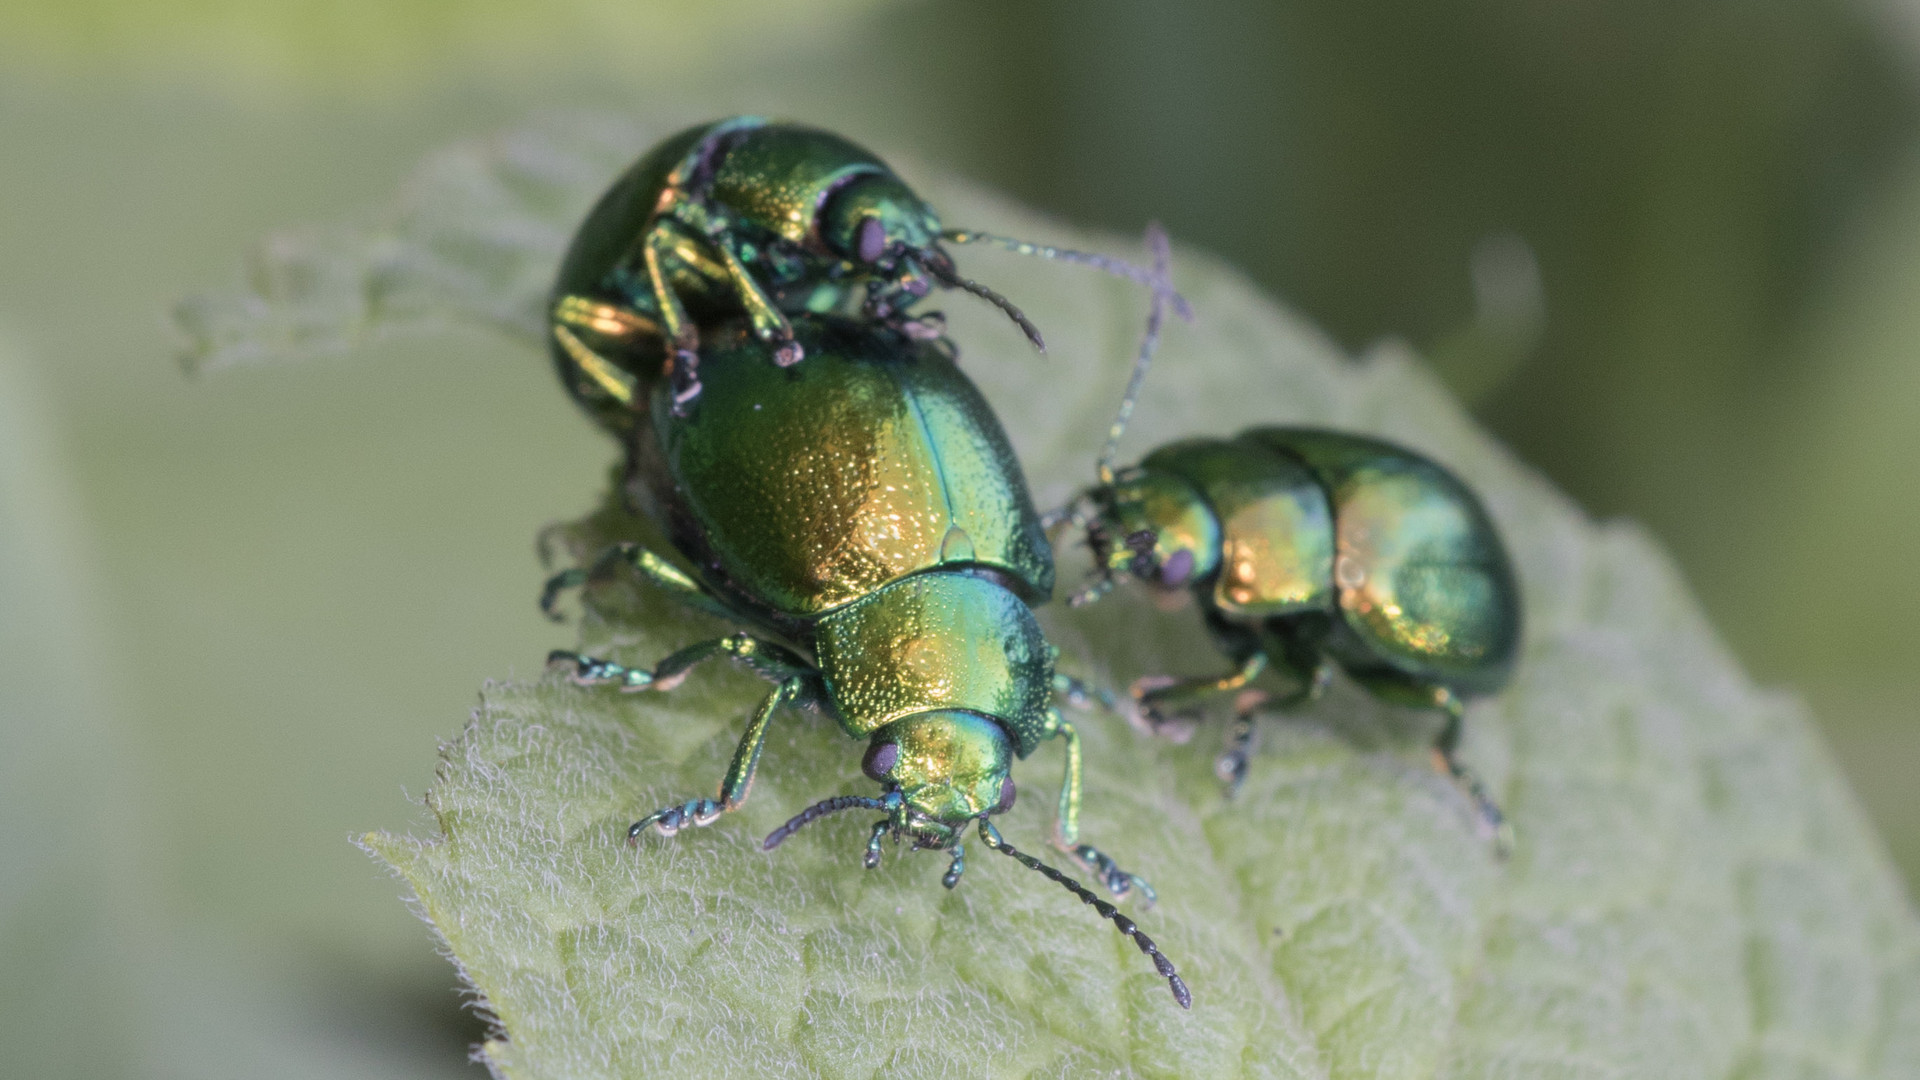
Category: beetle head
[1154,527]
[939,771]
[878,224]
[950,768]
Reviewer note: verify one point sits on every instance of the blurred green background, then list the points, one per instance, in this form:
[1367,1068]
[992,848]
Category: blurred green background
[1670,252]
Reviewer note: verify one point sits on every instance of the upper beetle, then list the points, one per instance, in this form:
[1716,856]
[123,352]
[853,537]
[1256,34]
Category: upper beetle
[747,215]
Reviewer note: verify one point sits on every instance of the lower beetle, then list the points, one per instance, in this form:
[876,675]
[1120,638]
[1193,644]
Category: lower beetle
[863,516]
[1306,548]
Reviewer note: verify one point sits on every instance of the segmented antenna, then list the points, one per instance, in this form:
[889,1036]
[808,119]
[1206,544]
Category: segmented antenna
[819,810]
[1164,966]
[1101,585]
[943,269]
[1162,289]
[1139,275]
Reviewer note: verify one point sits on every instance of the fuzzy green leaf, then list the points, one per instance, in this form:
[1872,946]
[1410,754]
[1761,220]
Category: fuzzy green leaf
[1694,892]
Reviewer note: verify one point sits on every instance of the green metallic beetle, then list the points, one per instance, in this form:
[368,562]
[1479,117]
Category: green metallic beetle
[863,516]
[1307,548]
[742,214]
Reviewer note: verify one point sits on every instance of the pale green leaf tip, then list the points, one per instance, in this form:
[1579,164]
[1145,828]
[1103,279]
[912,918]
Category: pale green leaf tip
[1694,892]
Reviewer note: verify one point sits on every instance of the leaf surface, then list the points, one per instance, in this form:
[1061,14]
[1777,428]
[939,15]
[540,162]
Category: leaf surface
[1694,892]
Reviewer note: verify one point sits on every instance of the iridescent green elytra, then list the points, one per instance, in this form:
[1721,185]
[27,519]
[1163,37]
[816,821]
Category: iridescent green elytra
[745,215]
[863,517]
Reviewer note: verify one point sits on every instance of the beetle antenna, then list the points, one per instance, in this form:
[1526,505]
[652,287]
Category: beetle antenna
[819,810]
[1164,966]
[1101,585]
[943,269]
[1106,263]
[1162,289]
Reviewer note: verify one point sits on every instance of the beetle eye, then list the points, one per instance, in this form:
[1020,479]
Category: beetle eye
[880,760]
[870,241]
[1007,793]
[1175,570]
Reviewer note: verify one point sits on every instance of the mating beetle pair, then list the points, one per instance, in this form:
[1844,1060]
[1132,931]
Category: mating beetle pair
[862,514]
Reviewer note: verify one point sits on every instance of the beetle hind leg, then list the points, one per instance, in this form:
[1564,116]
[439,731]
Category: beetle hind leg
[1447,762]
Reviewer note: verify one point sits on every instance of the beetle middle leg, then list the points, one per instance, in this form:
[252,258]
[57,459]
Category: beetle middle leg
[796,684]
[1067,826]
[767,659]
[1231,765]
[738,782]
[654,569]
[769,324]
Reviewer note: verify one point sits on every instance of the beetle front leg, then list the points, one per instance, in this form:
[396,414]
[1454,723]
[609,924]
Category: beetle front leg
[683,339]
[769,324]
[1067,827]
[1161,700]
[738,782]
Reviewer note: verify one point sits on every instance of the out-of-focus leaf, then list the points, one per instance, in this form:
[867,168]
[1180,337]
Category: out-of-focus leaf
[357,45]
[1694,892]
[94,984]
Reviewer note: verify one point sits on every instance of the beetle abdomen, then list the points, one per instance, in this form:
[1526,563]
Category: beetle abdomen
[806,488]
[937,641]
[1425,587]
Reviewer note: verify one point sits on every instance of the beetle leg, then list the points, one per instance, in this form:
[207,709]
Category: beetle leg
[1160,701]
[1066,835]
[957,867]
[872,857]
[592,671]
[738,782]
[1231,765]
[769,324]
[1082,695]
[1448,764]
[683,339]
[612,323]
[766,659]
[656,570]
